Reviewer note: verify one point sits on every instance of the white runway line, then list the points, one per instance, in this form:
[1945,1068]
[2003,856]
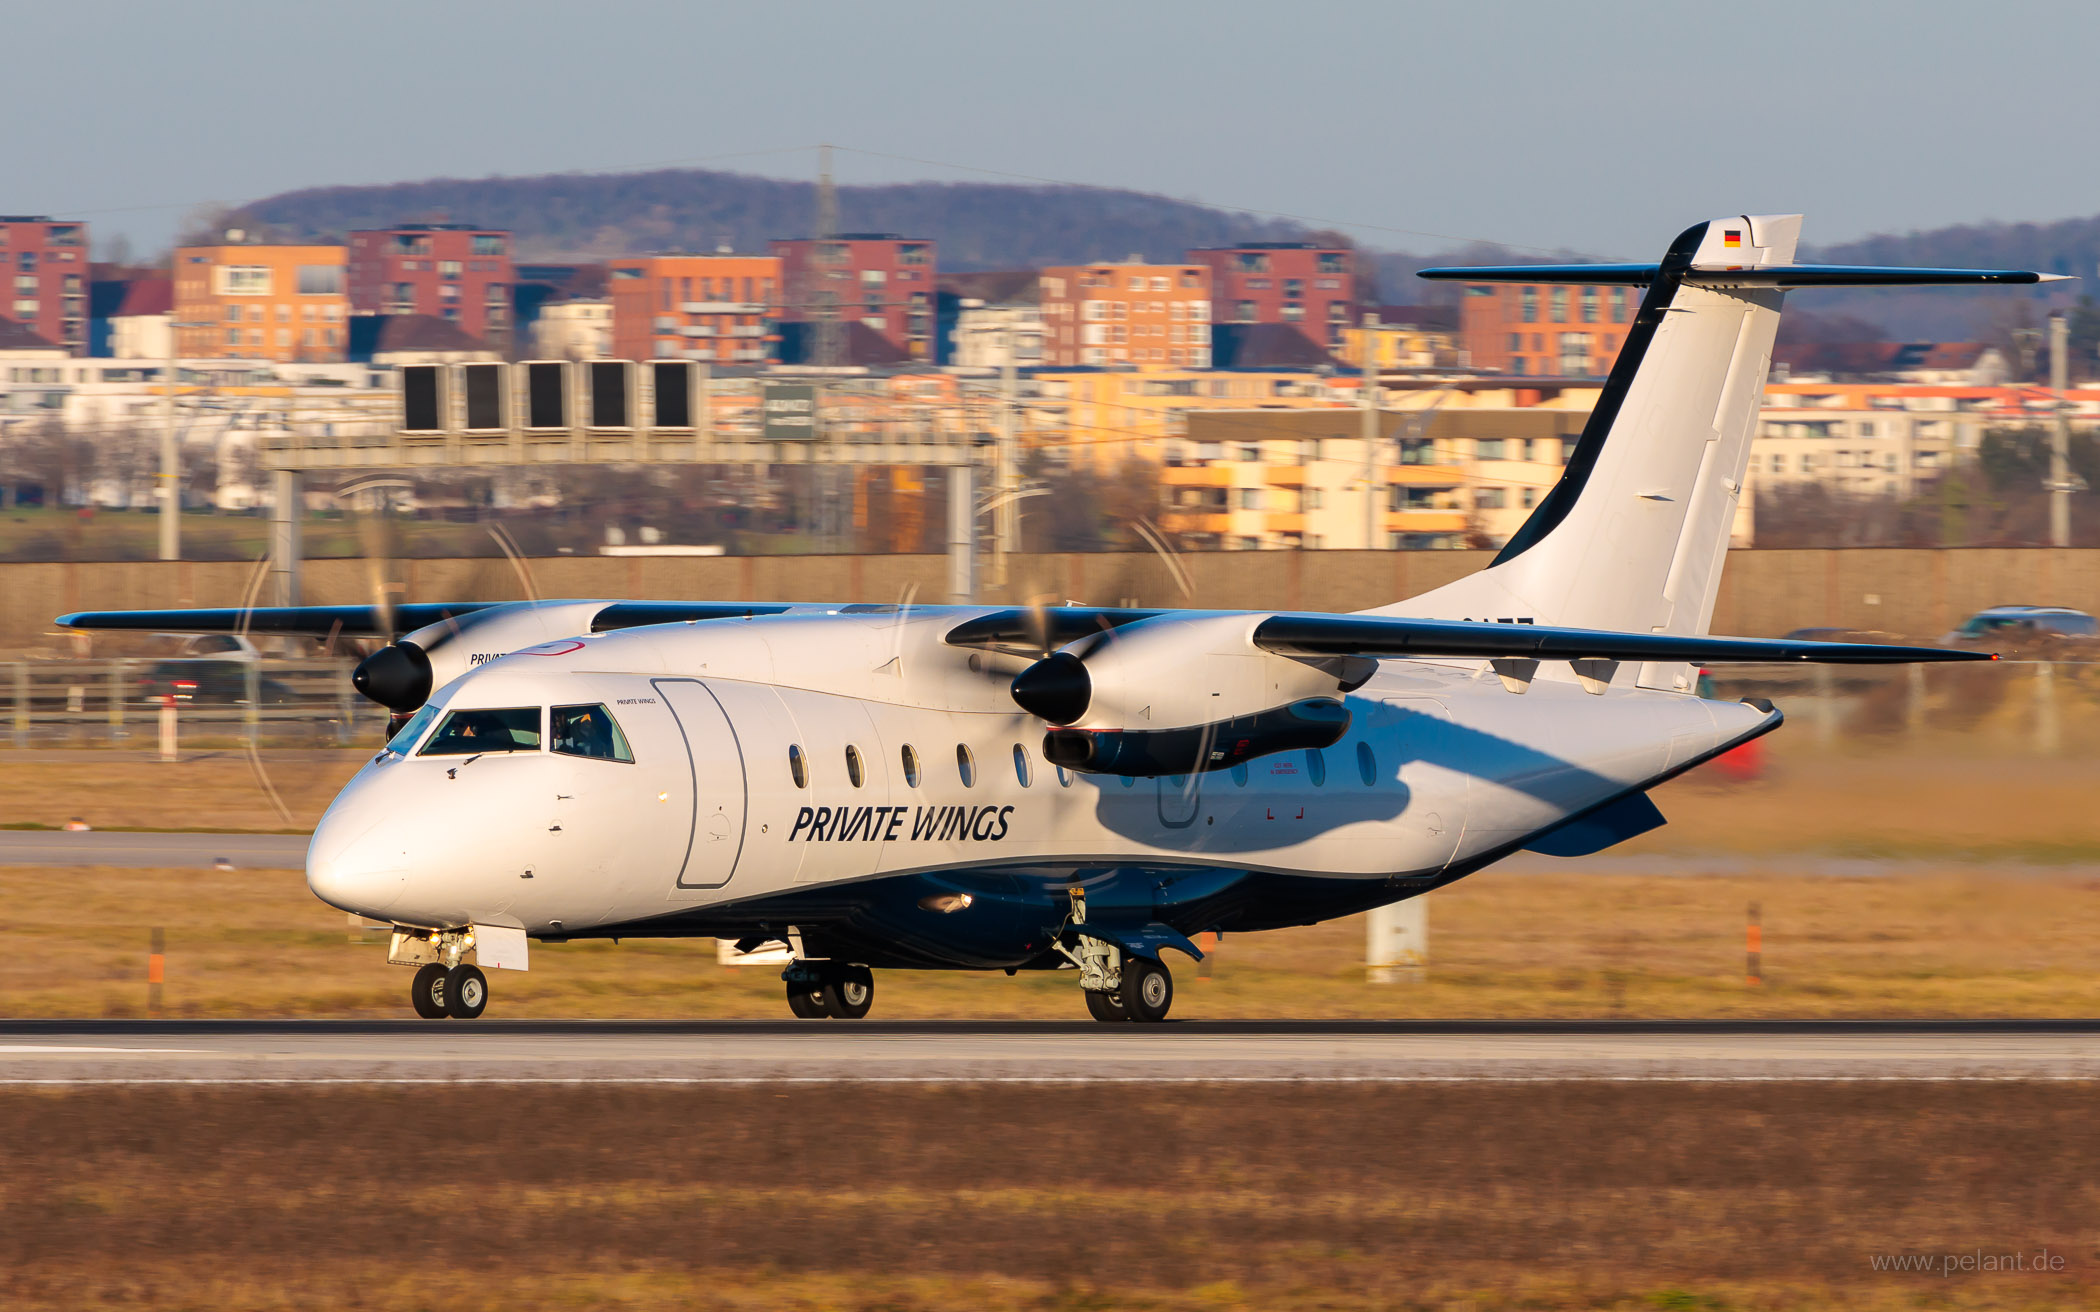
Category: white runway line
[677,1080]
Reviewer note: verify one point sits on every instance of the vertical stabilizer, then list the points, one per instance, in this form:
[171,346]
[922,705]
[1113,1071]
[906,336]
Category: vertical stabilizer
[1633,535]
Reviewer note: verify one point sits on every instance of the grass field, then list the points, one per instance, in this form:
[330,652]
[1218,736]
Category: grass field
[1994,911]
[1480,1197]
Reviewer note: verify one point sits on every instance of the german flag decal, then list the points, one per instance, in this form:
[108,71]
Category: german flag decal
[1732,238]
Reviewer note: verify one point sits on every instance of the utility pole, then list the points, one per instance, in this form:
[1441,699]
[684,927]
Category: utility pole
[827,351]
[2060,440]
[170,456]
[1007,523]
[1368,376]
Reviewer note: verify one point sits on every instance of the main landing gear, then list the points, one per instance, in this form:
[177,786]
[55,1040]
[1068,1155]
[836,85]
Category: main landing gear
[1117,985]
[461,991]
[816,989]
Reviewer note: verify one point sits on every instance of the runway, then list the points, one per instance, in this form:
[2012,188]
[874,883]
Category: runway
[42,1053]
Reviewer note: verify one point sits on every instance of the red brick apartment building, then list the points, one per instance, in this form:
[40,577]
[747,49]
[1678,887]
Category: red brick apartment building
[46,266]
[1544,330]
[714,308]
[879,280]
[452,271]
[1303,284]
[1127,314]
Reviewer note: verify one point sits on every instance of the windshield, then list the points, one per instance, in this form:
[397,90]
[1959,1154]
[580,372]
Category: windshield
[588,731]
[470,733]
[405,737]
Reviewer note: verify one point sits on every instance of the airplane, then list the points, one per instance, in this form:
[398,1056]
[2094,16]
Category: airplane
[1078,787]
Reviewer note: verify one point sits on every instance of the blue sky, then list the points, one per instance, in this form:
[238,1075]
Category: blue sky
[1601,128]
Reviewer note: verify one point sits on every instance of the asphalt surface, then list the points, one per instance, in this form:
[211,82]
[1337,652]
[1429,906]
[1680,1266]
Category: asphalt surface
[48,847]
[583,1052]
[32,847]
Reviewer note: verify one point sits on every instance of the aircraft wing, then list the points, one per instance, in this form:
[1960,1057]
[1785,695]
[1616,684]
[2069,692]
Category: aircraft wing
[1362,635]
[374,621]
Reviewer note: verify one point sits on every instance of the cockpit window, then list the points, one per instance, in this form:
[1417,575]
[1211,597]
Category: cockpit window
[588,731]
[470,733]
[405,737]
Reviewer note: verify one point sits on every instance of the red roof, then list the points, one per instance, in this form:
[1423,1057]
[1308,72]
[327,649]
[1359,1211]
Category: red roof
[15,337]
[148,296]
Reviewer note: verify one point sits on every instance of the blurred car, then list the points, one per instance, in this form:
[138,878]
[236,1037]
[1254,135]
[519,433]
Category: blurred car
[1843,635]
[209,683]
[2026,624]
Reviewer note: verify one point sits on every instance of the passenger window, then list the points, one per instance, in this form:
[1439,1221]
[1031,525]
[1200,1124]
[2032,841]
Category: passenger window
[1239,774]
[798,765]
[853,768]
[405,737]
[1367,764]
[1064,777]
[1316,767]
[966,765]
[911,765]
[471,733]
[588,731]
[1022,771]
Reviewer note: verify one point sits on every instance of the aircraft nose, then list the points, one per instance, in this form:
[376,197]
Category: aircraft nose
[348,868]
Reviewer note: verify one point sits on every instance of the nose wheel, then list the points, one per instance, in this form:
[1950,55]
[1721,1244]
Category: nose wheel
[1144,993]
[461,992]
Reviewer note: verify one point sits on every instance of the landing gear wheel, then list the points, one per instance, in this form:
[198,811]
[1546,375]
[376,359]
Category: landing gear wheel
[806,1002]
[849,994]
[427,994]
[1147,989]
[1104,1006]
[466,992]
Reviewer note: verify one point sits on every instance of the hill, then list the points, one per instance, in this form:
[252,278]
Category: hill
[595,215]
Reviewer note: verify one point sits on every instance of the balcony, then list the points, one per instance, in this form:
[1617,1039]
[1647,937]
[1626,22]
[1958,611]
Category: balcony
[1196,521]
[722,307]
[1283,521]
[1285,475]
[1425,521]
[696,330]
[1197,475]
[1420,475]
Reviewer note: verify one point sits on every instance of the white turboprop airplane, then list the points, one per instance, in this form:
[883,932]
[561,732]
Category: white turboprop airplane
[986,788]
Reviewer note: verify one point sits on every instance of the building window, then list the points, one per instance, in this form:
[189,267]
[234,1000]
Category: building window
[1618,305]
[243,280]
[1250,262]
[1528,304]
[1488,498]
[1294,286]
[1243,312]
[320,280]
[1589,305]
[1560,304]
[488,244]
[1333,262]
[1250,498]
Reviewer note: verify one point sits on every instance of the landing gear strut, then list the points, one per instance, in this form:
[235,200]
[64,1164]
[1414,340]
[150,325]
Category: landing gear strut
[447,986]
[1117,985]
[816,989]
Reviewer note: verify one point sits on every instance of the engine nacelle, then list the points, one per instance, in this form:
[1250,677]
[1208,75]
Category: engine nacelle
[402,675]
[1180,693]
[1145,753]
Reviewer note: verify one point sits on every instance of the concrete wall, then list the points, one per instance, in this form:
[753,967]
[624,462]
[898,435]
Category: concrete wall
[1922,593]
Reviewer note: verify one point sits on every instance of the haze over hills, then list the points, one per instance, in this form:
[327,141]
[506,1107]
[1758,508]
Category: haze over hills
[596,215]
[1006,226]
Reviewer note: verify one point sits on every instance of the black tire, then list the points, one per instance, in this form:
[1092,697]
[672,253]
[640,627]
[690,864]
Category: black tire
[1147,990]
[849,994]
[427,994]
[1105,1006]
[466,992]
[806,1002]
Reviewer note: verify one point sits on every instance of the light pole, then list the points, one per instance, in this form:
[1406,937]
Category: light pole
[170,448]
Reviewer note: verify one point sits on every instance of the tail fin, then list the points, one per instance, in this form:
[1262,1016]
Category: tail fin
[1633,535]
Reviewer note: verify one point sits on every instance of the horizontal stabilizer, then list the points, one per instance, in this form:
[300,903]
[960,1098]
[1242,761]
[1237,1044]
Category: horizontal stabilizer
[1369,635]
[1778,275]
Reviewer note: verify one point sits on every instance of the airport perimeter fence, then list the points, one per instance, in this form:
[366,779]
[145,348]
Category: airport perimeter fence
[121,703]
[2017,706]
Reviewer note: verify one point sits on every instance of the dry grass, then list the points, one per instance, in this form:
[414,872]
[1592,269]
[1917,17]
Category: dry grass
[1487,1197]
[1975,927]
[1967,942]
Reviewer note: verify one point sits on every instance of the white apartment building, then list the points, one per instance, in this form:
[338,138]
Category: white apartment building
[574,330]
[991,336]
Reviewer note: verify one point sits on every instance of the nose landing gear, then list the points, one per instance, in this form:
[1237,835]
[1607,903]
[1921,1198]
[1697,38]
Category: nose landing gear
[444,984]
[816,989]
